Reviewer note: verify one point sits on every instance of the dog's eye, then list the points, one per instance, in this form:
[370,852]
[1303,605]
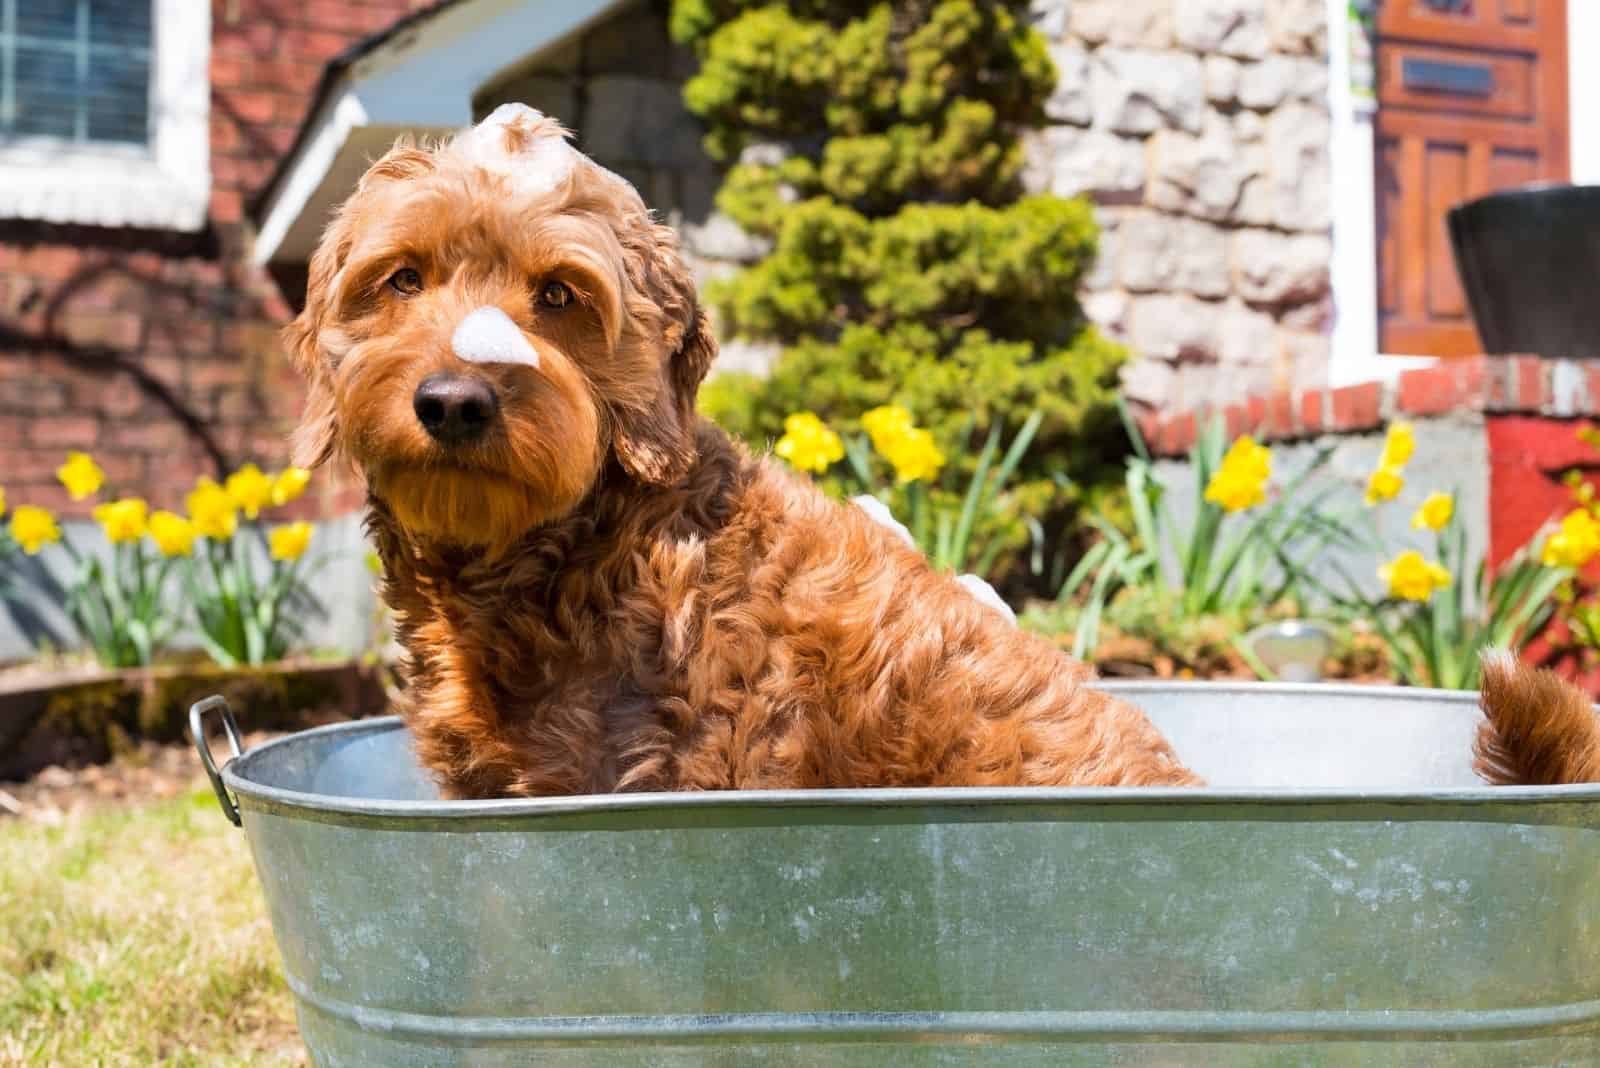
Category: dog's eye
[406,281]
[555,295]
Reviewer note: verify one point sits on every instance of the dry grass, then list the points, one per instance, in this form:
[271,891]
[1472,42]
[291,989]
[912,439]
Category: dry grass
[137,936]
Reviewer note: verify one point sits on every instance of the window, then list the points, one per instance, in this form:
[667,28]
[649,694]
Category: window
[105,112]
[76,70]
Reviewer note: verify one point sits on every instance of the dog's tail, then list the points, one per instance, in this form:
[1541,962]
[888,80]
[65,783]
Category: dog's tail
[1538,730]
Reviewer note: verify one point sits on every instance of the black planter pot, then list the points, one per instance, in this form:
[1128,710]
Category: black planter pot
[1529,261]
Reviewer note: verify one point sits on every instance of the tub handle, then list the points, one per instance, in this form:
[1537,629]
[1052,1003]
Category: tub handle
[197,727]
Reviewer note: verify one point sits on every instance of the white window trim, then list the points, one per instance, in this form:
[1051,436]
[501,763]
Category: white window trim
[166,186]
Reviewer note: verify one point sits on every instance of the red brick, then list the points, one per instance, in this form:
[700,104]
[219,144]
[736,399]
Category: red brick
[1533,383]
[249,106]
[48,493]
[32,395]
[1429,391]
[227,205]
[1357,407]
[1255,415]
[314,44]
[1591,378]
[11,431]
[145,436]
[1280,414]
[1233,421]
[115,330]
[253,36]
[65,431]
[1179,434]
[1312,402]
[228,71]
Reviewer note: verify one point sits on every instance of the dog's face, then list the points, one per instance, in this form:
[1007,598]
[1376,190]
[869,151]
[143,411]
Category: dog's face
[488,324]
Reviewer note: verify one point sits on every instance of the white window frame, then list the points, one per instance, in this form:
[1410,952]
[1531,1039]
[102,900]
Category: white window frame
[164,186]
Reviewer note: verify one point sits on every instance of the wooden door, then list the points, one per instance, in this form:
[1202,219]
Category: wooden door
[1472,98]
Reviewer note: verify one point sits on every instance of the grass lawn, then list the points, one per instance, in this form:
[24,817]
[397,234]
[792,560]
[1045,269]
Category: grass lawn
[136,935]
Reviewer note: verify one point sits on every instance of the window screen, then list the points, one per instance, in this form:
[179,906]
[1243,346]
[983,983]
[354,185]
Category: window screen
[77,70]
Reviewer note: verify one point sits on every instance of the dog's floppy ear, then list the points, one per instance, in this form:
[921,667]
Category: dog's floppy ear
[655,442]
[316,438]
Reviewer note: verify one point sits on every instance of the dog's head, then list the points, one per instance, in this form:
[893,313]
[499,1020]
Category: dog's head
[488,324]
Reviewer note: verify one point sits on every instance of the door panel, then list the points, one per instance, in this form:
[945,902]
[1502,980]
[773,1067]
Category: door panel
[1472,98]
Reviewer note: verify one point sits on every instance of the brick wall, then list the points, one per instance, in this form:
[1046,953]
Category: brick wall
[1529,410]
[158,351]
[1494,385]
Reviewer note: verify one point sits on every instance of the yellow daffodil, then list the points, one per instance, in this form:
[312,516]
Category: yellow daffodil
[81,475]
[290,483]
[173,534]
[1411,577]
[2,500]
[1575,542]
[213,510]
[33,528]
[124,520]
[808,444]
[1435,512]
[290,542]
[1384,484]
[886,424]
[250,489]
[1398,445]
[1241,480]
[914,456]
[374,563]
[910,450]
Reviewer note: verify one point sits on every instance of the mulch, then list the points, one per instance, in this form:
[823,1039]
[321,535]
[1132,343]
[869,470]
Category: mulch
[146,772]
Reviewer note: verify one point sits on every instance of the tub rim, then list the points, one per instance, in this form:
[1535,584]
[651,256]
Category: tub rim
[955,801]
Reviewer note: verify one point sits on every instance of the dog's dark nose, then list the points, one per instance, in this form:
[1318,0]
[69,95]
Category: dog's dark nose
[455,409]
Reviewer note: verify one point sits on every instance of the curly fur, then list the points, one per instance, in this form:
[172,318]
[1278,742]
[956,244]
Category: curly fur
[608,594]
[1538,729]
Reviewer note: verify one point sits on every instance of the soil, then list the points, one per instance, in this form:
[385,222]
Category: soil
[147,772]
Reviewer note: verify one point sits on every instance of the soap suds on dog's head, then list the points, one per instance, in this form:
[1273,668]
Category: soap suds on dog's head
[489,336]
[524,146]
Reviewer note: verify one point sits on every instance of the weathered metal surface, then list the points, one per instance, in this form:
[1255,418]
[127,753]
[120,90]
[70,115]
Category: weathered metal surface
[1347,893]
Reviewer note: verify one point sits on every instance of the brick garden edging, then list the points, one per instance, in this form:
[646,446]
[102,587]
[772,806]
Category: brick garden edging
[1490,385]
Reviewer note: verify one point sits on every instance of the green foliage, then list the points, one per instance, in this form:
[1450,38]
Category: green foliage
[958,529]
[906,266]
[245,614]
[1439,640]
[118,604]
[1230,565]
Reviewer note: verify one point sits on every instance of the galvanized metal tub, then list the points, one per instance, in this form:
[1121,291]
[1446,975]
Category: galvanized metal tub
[1345,893]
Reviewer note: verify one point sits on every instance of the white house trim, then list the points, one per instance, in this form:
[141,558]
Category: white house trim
[166,186]
[420,80]
[1355,357]
[1353,168]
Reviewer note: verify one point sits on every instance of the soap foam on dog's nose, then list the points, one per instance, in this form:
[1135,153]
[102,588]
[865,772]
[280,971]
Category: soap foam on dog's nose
[489,336]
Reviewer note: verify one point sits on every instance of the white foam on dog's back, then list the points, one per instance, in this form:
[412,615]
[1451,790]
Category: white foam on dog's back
[488,335]
[541,166]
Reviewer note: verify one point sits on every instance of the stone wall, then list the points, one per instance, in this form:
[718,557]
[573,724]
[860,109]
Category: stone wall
[1200,128]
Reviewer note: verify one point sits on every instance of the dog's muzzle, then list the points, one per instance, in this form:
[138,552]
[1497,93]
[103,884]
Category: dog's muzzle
[455,409]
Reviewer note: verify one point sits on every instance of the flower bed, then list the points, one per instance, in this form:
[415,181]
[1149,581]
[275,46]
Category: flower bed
[85,716]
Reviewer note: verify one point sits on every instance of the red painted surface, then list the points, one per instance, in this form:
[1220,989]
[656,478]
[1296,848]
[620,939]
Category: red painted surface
[1527,457]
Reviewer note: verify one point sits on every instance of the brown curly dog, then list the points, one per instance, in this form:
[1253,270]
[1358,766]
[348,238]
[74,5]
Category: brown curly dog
[596,590]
